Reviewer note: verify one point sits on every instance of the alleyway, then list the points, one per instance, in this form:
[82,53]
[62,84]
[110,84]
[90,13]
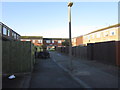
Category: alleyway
[54,73]
[47,74]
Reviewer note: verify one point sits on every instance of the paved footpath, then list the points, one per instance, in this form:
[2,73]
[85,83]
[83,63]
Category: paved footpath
[47,74]
[90,74]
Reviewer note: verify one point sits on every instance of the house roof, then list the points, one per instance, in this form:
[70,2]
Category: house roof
[55,38]
[78,36]
[31,37]
[116,25]
[4,25]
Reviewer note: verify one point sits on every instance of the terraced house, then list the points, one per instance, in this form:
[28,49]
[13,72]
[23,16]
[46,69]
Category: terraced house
[36,40]
[53,42]
[48,42]
[110,33]
[8,34]
[77,41]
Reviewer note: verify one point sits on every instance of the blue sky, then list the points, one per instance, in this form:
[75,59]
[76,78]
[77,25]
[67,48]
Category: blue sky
[50,19]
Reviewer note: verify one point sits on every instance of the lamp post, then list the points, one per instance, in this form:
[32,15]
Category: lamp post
[70,42]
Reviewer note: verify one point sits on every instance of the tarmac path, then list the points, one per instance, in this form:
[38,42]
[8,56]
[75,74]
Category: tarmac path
[47,74]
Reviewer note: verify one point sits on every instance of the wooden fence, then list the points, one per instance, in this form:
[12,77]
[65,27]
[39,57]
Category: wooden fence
[105,52]
[80,51]
[17,56]
[118,53]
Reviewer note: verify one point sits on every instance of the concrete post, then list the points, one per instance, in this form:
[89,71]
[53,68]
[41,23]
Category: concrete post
[70,42]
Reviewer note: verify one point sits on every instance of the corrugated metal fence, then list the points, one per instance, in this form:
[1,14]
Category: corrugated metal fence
[17,56]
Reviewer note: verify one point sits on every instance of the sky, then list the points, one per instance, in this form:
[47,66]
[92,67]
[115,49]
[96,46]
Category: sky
[50,19]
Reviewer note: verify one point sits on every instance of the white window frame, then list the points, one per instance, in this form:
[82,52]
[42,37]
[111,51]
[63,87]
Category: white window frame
[0,28]
[53,41]
[88,37]
[98,35]
[27,40]
[8,32]
[93,36]
[59,41]
[84,37]
[47,41]
[4,30]
[15,35]
[33,41]
[12,34]
[40,41]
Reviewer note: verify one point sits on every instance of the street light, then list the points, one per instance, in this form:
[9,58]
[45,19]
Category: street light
[70,42]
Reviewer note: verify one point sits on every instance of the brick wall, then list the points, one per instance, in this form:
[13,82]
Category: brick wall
[79,40]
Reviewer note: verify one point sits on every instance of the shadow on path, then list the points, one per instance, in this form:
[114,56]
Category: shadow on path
[47,74]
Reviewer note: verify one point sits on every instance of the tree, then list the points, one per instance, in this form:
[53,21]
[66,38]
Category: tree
[65,43]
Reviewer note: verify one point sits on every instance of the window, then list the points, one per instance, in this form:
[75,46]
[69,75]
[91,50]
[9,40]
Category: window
[47,41]
[88,37]
[39,41]
[74,39]
[8,32]
[98,35]
[52,41]
[4,31]
[112,32]
[93,36]
[33,41]
[59,41]
[12,34]
[84,37]
[27,40]
[105,34]
[15,35]
[21,39]
[0,28]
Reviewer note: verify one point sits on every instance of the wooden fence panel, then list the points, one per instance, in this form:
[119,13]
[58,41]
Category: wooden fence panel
[17,57]
[79,51]
[90,48]
[104,52]
[118,53]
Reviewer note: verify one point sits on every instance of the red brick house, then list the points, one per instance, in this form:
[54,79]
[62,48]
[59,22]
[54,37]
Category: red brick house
[76,41]
[79,40]
[49,42]
[36,40]
[53,42]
